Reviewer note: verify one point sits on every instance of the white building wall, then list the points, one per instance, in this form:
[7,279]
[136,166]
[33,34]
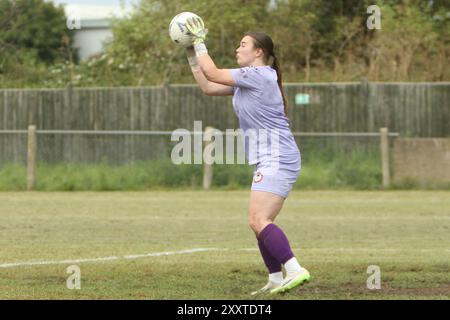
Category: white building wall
[90,41]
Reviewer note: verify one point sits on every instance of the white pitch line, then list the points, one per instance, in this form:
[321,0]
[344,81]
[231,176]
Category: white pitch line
[129,257]
[158,254]
[36,263]
[195,250]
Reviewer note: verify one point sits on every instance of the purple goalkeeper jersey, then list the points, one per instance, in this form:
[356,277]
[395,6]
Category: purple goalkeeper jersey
[258,103]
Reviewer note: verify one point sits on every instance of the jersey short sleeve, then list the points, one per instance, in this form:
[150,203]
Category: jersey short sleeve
[247,77]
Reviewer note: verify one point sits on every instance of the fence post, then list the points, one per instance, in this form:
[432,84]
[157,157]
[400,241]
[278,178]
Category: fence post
[31,157]
[207,165]
[384,146]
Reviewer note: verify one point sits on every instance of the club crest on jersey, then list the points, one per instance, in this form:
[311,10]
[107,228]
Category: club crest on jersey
[258,177]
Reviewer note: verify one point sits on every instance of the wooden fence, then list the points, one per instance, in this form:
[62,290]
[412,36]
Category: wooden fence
[412,109]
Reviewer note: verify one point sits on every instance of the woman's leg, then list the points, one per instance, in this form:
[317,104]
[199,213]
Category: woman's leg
[274,245]
[263,208]
[270,209]
[276,251]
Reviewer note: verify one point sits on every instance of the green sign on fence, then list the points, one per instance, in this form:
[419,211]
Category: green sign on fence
[301,98]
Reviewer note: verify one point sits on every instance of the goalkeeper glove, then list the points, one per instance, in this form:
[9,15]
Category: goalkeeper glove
[197,29]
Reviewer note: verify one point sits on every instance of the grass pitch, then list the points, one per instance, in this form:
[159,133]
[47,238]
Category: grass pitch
[335,234]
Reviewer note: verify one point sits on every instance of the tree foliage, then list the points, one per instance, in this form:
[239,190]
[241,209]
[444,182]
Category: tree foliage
[33,36]
[316,40]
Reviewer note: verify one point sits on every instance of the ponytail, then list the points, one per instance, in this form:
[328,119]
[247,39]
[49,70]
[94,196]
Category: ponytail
[276,66]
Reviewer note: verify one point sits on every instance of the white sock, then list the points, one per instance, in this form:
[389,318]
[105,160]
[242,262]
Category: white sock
[276,277]
[292,266]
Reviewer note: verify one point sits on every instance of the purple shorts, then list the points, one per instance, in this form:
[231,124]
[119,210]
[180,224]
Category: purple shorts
[278,180]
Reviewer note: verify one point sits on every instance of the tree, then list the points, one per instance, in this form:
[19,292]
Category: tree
[33,32]
[315,40]
[406,35]
[294,37]
[142,45]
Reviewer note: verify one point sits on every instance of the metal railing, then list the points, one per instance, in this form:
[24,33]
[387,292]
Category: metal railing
[32,133]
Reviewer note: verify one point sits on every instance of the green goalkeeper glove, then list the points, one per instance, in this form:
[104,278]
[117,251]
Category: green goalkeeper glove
[197,28]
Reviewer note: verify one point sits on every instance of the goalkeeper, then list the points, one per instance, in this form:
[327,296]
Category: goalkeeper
[260,104]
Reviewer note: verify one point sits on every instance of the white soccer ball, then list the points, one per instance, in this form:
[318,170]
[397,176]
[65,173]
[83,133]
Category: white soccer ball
[178,31]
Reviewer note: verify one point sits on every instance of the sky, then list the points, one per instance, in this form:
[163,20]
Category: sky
[94,9]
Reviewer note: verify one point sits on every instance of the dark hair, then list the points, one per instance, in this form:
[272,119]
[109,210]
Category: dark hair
[264,42]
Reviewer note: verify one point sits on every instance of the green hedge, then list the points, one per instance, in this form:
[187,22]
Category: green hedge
[351,170]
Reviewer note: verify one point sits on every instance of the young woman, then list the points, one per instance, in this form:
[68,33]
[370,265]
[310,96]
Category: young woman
[259,103]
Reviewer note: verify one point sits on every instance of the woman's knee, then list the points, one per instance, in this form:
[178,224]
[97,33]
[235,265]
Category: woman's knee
[257,223]
[253,224]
